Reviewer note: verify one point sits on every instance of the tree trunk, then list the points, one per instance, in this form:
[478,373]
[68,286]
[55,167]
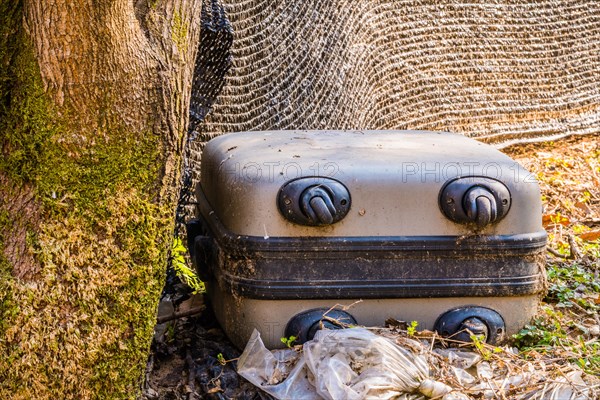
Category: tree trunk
[94,100]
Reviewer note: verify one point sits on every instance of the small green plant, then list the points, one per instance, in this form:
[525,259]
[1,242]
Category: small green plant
[559,219]
[482,348]
[289,341]
[170,333]
[552,332]
[411,329]
[185,273]
[545,330]
[572,284]
[221,359]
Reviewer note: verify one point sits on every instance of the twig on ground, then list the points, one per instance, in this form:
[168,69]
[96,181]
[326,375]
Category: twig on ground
[575,253]
[590,222]
[342,306]
[555,253]
[177,315]
[191,376]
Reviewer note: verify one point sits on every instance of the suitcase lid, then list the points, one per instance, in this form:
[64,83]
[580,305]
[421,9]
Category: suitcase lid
[365,183]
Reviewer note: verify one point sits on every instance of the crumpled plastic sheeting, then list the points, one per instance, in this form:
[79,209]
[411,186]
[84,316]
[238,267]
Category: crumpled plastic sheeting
[349,364]
[282,374]
[353,364]
[357,364]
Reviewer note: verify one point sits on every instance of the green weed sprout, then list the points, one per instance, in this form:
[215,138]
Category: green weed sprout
[185,273]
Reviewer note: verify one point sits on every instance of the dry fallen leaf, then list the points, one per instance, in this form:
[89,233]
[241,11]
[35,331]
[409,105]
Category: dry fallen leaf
[591,235]
[584,207]
[554,219]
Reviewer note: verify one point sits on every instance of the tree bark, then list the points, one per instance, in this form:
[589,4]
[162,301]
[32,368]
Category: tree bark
[94,108]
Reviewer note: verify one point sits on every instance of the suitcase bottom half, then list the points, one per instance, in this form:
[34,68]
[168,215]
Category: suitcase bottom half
[500,316]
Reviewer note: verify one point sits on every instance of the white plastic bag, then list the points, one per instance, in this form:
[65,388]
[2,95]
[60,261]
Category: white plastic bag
[349,364]
[357,364]
[282,374]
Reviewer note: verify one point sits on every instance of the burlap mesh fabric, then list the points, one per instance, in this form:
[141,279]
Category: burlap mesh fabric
[502,71]
[496,70]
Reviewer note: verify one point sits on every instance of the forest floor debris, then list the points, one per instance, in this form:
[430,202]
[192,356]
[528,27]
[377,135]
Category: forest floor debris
[379,363]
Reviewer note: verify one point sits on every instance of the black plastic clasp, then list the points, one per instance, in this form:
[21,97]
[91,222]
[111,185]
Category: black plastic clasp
[314,201]
[305,324]
[460,323]
[475,200]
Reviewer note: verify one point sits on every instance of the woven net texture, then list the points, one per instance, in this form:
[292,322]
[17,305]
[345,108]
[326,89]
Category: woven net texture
[502,71]
[496,70]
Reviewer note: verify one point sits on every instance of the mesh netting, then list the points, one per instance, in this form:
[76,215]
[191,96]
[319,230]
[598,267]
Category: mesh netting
[502,71]
[212,63]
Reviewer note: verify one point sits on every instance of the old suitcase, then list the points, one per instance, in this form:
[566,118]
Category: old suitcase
[426,226]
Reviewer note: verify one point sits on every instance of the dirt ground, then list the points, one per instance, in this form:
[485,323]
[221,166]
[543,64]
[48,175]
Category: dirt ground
[188,352]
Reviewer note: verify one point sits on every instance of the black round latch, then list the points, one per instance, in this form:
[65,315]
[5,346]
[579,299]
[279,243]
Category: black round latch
[475,200]
[305,324]
[463,322]
[314,201]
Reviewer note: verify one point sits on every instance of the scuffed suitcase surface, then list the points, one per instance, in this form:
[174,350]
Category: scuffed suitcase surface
[394,179]
[385,235]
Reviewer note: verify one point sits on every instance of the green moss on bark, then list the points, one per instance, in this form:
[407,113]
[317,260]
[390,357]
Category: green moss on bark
[179,32]
[26,123]
[82,328]
[8,308]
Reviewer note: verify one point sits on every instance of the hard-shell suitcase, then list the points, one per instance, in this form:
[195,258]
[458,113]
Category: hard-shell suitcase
[415,225]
